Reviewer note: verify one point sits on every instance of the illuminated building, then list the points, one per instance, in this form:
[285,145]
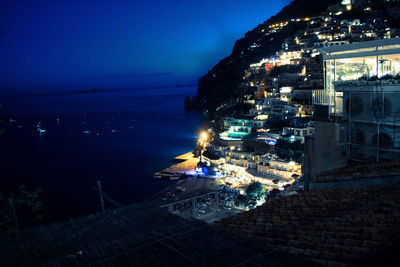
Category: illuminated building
[356,113]
[277,169]
[242,158]
[351,62]
[287,56]
[296,134]
[286,93]
[236,129]
[330,43]
[274,108]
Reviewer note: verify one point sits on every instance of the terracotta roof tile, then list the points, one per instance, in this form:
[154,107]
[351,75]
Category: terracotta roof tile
[312,253]
[360,250]
[138,235]
[329,256]
[332,227]
[296,251]
[336,264]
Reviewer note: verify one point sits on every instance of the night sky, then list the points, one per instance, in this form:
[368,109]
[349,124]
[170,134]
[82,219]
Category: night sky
[69,45]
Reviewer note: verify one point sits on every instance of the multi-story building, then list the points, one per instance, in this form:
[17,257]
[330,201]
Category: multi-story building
[277,169]
[275,108]
[236,129]
[356,113]
[296,134]
[330,43]
[371,119]
[286,56]
[351,62]
[242,158]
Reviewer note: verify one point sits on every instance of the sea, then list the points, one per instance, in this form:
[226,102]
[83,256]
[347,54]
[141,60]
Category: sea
[64,143]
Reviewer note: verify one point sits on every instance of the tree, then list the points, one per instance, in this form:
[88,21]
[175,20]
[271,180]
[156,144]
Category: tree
[242,200]
[23,202]
[255,192]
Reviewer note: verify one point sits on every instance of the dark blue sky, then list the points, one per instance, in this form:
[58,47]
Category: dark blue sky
[64,45]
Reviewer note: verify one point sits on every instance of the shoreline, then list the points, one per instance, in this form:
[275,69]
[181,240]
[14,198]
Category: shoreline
[185,164]
[160,193]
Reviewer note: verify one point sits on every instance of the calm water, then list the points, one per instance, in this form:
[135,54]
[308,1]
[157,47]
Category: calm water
[120,138]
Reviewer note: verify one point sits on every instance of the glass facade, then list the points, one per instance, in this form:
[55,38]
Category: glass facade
[353,64]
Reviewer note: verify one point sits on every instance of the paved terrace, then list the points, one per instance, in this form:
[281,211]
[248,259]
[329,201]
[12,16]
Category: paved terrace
[137,235]
[186,164]
[330,227]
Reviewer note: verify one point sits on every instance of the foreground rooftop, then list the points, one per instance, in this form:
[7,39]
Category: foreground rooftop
[137,235]
[330,227]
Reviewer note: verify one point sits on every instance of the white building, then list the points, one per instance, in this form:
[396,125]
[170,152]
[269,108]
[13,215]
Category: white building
[351,62]
[243,159]
[274,108]
[297,134]
[329,43]
[278,169]
[286,56]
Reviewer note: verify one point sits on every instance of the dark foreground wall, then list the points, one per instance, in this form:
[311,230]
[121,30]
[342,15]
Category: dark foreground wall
[322,152]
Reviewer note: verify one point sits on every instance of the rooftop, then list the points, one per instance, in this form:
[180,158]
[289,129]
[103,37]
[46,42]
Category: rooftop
[360,49]
[136,235]
[375,171]
[336,227]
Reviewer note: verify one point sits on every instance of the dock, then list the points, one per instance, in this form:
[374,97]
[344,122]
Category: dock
[185,164]
[184,157]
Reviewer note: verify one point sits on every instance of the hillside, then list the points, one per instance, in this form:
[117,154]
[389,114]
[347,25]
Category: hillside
[224,80]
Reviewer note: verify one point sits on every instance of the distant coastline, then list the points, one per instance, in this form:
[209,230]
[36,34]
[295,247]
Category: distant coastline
[93,90]
[67,92]
[100,90]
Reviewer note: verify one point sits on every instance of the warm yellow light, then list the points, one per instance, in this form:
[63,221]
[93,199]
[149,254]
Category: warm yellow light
[203,136]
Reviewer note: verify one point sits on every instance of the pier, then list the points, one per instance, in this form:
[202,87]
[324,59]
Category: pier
[185,164]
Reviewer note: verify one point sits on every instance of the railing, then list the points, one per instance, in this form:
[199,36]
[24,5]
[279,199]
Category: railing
[189,208]
[320,97]
[205,207]
[367,83]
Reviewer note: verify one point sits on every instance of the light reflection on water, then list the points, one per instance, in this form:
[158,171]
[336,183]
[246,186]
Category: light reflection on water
[120,138]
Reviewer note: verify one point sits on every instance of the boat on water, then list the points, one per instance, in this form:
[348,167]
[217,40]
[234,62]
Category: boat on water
[39,128]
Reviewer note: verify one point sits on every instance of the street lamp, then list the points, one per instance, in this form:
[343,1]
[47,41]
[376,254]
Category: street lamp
[203,139]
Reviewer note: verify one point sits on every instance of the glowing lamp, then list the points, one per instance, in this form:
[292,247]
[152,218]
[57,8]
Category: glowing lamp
[203,136]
